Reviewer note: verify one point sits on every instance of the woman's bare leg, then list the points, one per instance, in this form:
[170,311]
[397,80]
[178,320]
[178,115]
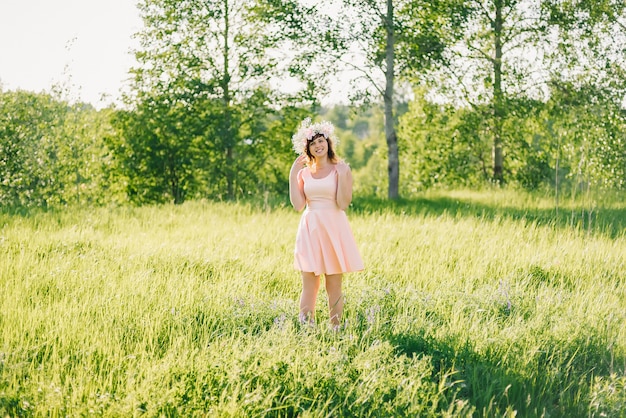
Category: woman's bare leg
[310,288]
[335,298]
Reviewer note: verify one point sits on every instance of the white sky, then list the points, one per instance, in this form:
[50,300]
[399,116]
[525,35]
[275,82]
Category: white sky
[84,44]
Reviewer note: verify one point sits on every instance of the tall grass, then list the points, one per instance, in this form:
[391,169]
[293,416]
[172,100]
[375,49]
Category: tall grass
[471,304]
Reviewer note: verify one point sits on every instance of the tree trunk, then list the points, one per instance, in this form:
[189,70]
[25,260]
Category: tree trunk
[393,163]
[227,129]
[498,105]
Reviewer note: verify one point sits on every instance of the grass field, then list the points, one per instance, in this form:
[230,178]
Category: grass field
[472,304]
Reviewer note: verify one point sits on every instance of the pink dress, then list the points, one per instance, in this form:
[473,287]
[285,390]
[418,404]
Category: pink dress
[324,242]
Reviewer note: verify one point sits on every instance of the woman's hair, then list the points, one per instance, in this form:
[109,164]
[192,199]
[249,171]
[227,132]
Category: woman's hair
[332,157]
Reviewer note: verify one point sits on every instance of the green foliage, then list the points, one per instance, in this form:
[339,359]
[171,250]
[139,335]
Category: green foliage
[177,152]
[204,118]
[200,103]
[156,149]
[589,127]
[531,156]
[362,145]
[512,51]
[447,146]
[425,29]
[271,158]
[442,146]
[360,130]
[51,152]
[29,129]
[474,304]
[380,41]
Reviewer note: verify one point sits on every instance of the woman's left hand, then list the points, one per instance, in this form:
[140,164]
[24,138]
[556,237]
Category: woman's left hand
[343,168]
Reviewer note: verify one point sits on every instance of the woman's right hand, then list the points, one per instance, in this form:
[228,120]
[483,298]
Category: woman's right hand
[299,163]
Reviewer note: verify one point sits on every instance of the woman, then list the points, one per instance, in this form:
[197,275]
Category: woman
[325,245]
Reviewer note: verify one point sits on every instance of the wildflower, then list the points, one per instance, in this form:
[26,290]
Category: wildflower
[370,314]
[280,321]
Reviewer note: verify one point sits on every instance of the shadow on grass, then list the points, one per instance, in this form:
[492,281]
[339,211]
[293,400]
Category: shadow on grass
[606,220]
[556,380]
[603,217]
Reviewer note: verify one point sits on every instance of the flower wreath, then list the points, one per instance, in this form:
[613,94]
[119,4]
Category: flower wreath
[307,131]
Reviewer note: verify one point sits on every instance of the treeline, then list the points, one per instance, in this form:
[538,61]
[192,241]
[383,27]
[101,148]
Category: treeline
[55,153]
[450,93]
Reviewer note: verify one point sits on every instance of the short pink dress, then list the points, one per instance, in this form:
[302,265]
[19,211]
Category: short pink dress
[324,242]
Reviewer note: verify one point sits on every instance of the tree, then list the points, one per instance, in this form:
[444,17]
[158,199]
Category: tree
[28,124]
[380,41]
[589,127]
[156,149]
[442,145]
[588,88]
[51,152]
[498,58]
[514,49]
[202,70]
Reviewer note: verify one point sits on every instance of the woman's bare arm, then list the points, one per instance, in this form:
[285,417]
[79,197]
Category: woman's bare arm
[344,185]
[296,185]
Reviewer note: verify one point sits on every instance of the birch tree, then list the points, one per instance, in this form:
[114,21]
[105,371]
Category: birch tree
[378,41]
[201,69]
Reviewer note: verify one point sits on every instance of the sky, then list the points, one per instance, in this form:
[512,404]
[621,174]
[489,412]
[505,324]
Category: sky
[82,44]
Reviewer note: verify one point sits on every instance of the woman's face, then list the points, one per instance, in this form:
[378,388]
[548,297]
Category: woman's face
[318,147]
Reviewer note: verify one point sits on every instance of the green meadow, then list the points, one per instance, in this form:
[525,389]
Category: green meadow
[481,304]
